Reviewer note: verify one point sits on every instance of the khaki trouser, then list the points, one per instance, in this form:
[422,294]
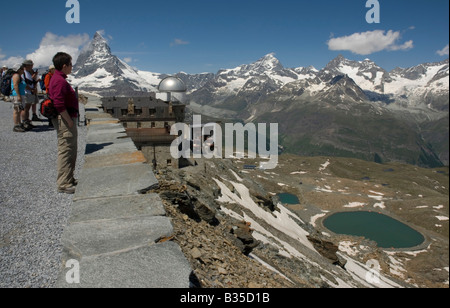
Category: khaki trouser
[67,151]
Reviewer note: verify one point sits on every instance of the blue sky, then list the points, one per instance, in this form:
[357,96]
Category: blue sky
[197,36]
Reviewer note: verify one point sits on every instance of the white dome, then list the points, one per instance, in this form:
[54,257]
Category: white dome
[172,84]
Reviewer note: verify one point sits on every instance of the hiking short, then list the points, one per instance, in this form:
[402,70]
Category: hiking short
[32,99]
[20,105]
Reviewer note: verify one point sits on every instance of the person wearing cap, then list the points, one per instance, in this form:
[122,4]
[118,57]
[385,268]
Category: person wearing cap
[18,86]
[66,104]
[48,77]
[4,70]
[30,76]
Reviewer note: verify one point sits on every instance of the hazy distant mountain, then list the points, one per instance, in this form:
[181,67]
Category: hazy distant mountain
[348,108]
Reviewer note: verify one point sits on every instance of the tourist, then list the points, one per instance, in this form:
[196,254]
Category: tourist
[18,86]
[66,103]
[3,71]
[48,77]
[30,76]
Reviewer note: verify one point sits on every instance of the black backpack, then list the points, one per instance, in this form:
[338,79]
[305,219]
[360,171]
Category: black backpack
[6,83]
[42,82]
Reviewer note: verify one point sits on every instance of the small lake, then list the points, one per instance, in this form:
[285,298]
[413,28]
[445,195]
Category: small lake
[288,198]
[384,230]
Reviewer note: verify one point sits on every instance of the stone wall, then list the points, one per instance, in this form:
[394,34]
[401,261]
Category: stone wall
[113,236]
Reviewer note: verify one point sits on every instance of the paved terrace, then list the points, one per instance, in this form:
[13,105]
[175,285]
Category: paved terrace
[109,227]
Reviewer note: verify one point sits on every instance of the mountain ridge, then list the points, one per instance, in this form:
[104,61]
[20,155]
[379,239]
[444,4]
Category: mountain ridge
[352,91]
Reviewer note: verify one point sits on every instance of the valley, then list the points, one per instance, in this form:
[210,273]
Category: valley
[288,234]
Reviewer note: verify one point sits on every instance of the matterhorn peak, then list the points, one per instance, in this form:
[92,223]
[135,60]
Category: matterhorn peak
[96,55]
[99,44]
[98,35]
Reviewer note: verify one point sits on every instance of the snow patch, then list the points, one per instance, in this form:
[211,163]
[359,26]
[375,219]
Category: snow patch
[325,165]
[283,220]
[354,204]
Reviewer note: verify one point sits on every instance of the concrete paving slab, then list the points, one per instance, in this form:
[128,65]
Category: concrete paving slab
[114,146]
[96,161]
[106,129]
[115,181]
[105,124]
[118,207]
[156,266]
[106,236]
[101,137]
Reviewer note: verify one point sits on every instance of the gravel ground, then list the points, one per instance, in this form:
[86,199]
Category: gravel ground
[32,213]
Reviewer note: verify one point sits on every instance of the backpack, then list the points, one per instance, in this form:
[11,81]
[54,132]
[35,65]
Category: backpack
[42,82]
[6,83]
[48,109]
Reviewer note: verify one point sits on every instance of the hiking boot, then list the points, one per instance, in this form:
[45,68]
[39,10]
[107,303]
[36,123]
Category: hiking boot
[35,118]
[68,190]
[28,126]
[19,129]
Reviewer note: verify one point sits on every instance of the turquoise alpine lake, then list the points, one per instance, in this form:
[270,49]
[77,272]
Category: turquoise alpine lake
[288,198]
[384,230]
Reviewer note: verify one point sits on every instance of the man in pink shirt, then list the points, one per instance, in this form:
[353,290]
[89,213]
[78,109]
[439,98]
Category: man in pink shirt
[66,103]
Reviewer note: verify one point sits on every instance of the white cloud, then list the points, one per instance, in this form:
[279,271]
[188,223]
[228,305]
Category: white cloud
[11,61]
[177,42]
[128,59]
[366,43]
[52,44]
[49,46]
[443,52]
[405,46]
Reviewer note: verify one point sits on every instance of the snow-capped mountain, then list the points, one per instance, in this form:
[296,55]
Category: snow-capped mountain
[355,108]
[98,70]
[425,86]
[419,89]
[348,108]
[253,81]
[195,81]
[366,74]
